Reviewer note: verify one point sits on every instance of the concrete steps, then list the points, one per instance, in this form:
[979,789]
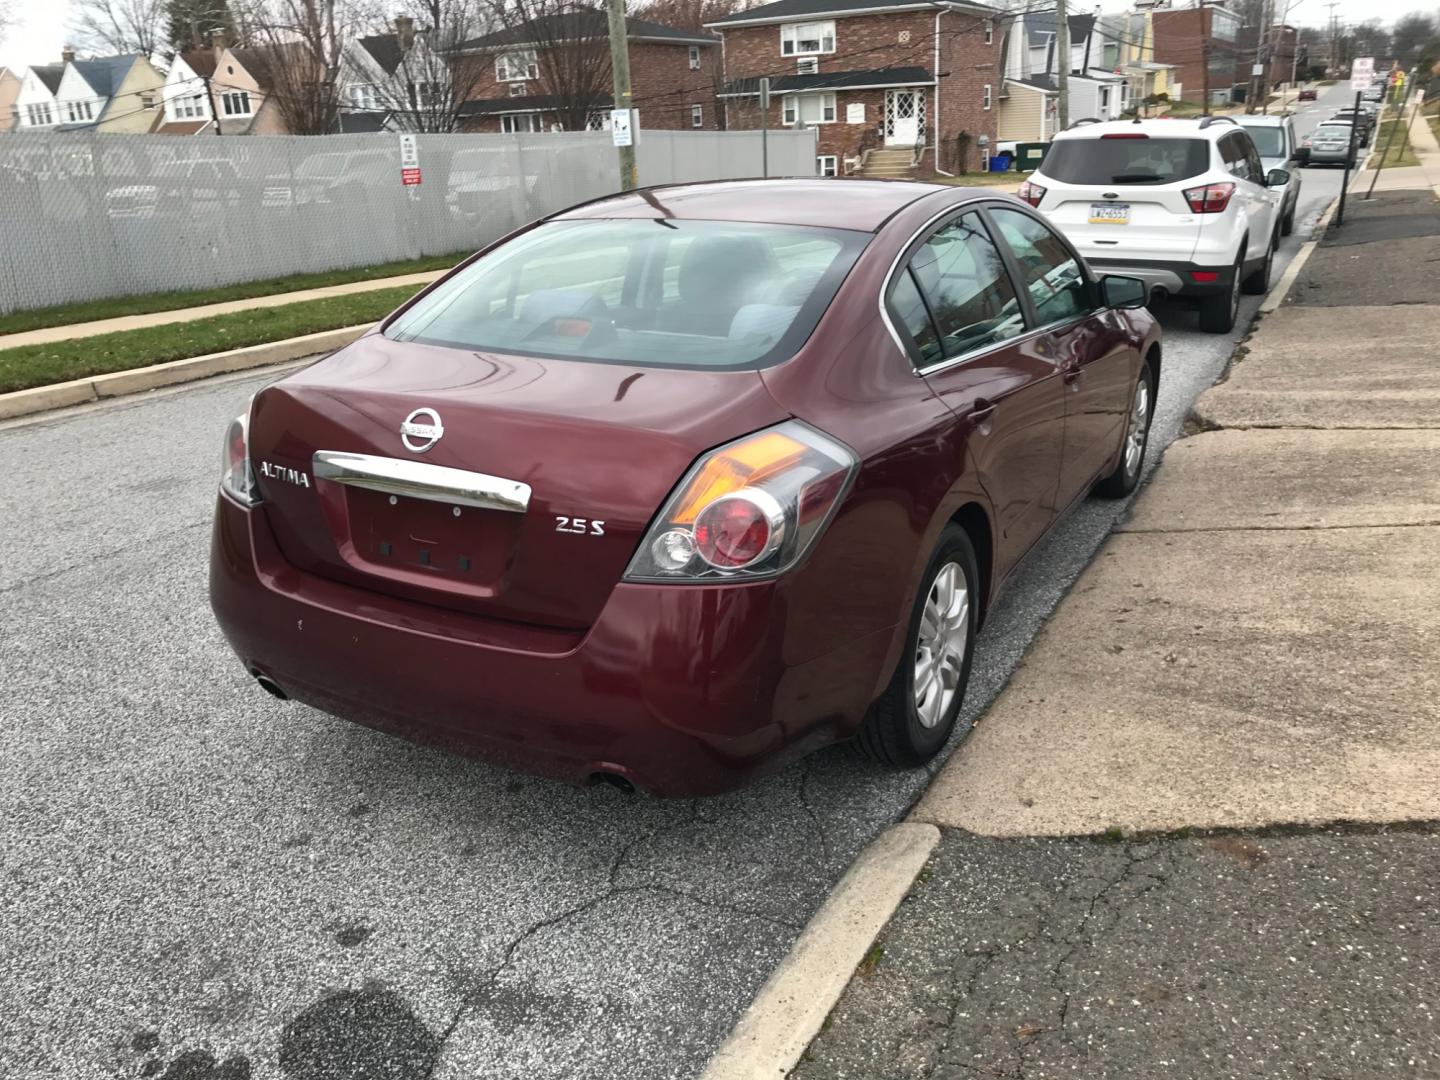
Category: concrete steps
[897,164]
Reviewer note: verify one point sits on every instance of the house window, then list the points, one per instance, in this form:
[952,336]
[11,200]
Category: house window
[809,109]
[516,66]
[989,31]
[800,39]
[364,96]
[988,98]
[807,65]
[697,116]
[236,102]
[77,111]
[425,95]
[597,121]
[694,57]
[147,101]
[519,123]
[826,165]
[39,115]
[518,89]
[1104,100]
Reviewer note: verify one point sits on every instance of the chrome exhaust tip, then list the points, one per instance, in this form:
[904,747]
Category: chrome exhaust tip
[270,686]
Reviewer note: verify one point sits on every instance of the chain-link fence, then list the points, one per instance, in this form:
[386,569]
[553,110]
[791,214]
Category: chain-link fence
[86,216]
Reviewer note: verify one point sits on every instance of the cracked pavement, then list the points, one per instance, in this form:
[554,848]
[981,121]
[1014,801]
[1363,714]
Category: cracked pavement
[1304,955]
[201,883]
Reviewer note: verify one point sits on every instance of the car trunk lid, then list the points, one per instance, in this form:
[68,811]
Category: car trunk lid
[597,445]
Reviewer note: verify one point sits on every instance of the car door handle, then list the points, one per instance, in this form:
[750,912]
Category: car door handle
[1072,372]
[982,410]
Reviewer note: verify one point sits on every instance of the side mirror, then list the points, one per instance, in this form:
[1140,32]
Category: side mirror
[1277,178]
[1123,292]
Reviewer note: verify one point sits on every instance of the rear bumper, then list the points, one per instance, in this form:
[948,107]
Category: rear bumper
[1175,278]
[683,690]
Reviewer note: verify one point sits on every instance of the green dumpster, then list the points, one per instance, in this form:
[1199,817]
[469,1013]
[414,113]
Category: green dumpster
[1028,155]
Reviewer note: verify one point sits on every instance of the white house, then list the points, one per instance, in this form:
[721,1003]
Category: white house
[186,108]
[35,106]
[393,81]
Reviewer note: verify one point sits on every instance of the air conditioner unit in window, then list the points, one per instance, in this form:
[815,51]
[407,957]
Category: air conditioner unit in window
[807,65]
[517,89]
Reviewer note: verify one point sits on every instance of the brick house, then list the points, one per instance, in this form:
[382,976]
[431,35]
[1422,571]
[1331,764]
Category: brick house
[560,64]
[1202,44]
[920,80]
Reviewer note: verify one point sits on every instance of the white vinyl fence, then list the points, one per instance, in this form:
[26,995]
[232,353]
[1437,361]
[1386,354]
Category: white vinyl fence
[87,216]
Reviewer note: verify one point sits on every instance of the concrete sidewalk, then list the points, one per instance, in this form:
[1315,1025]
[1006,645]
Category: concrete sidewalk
[47,334]
[1407,177]
[1254,651]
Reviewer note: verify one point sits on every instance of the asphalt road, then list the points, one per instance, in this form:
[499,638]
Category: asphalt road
[203,884]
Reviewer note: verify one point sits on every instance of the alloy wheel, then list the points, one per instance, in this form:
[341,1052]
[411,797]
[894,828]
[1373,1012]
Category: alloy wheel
[940,646]
[1138,428]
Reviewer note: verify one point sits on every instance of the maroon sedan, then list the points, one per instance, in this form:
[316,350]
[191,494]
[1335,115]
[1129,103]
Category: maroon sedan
[676,486]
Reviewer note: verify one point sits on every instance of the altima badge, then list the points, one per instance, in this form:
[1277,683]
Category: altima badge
[421,430]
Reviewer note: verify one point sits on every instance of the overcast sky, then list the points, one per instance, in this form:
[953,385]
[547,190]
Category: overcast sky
[42,23]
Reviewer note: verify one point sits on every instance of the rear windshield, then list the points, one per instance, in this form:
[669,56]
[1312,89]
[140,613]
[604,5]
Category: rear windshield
[1332,131]
[686,294]
[1270,141]
[1126,160]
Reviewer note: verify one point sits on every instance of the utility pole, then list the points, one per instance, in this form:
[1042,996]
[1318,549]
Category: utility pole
[1334,27]
[210,99]
[764,129]
[1062,62]
[1259,83]
[620,68]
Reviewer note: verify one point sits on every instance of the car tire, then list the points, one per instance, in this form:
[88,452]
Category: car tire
[1259,281]
[906,725]
[1135,441]
[1218,312]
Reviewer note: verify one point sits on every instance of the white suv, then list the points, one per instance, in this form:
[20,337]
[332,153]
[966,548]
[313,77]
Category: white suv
[1185,205]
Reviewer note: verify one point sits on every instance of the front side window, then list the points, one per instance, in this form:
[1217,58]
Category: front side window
[809,109]
[1053,277]
[966,288]
[802,39]
[673,293]
[516,66]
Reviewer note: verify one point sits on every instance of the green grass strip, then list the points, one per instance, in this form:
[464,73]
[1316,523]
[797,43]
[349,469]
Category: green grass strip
[1400,153]
[40,365]
[115,306]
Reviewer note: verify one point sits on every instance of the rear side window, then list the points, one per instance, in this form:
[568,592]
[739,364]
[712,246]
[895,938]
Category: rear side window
[966,287]
[679,294]
[1141,160]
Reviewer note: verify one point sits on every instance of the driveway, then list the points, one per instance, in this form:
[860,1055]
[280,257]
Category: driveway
[205,884]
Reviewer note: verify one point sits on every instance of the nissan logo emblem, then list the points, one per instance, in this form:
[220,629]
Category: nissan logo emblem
[421,430]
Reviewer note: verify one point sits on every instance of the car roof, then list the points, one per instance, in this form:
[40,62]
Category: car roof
[1261,121]
[1160,127]
[863,205]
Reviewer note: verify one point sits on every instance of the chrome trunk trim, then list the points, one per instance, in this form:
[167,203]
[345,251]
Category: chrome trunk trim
[415,480]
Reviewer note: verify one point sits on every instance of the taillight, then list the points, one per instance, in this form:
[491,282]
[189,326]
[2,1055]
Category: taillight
[1031,193]
[749,509]
[1210,199]
[237,479]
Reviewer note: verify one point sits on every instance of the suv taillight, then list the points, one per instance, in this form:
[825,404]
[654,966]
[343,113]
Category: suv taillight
[1031,193]
[1210,199]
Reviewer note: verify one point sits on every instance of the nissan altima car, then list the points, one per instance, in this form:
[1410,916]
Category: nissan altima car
[674,487]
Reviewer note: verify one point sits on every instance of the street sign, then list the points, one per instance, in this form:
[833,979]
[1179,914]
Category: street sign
[1257,69]
[409,161]
[620,132]
[1362,72]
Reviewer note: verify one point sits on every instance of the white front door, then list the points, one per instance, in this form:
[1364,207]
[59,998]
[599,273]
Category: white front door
[902,117]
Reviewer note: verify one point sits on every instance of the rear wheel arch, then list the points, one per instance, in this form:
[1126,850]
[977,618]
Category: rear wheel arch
[973,518]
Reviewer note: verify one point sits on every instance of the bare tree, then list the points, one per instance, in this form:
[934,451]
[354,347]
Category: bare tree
[687,14]
[570,41]
[295,56]
[1410,36]
[119,26]
[7,17]
[427,78]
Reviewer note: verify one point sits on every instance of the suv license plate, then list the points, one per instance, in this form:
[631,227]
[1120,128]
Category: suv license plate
[1109,213]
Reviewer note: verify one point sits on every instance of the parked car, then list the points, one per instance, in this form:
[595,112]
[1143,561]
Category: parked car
[1309,94]
[1185,205]
[1363,121]
[676,486]
[1330,144]
[178,187]
[1274,137]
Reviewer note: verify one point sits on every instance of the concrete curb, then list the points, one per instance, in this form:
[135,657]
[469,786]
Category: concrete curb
[116,384]
[1276,296]
[791,1007]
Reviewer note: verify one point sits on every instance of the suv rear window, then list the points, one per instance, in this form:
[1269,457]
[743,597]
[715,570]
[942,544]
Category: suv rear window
[675,293]
[1126,160]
